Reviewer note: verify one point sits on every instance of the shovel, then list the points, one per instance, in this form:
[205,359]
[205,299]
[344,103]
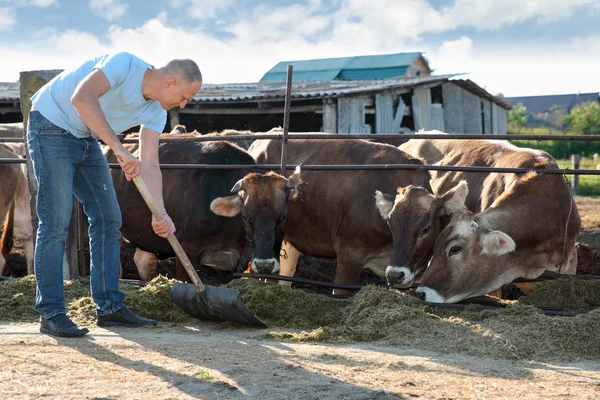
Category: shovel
[197,300]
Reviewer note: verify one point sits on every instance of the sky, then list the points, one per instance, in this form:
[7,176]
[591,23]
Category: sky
[514,47]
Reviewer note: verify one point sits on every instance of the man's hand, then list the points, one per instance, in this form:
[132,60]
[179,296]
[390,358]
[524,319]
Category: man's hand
[164,227]
[129,164]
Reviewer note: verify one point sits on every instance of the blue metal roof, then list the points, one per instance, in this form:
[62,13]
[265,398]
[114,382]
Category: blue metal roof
[360,67]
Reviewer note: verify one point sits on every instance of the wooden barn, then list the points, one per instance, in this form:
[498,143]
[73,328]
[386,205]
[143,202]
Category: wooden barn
[366,94]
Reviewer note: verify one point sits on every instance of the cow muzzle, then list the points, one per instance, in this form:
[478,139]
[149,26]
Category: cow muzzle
[265,266]
[429,295]
[401,277]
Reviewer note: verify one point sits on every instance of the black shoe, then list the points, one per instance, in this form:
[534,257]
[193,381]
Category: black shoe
[124,317]
[62,326]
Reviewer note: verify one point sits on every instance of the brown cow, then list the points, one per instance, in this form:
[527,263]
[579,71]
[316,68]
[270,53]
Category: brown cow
[10,176]
[509,225]
[255,213]
[333,215]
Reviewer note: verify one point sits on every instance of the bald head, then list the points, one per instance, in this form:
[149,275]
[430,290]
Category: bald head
[184,69]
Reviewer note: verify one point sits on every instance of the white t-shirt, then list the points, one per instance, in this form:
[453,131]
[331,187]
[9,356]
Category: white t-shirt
[123,105]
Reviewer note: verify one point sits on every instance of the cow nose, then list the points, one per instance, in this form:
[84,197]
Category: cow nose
[264,266]
[420,295]
[394,275]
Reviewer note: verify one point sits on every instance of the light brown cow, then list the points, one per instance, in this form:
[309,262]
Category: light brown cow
[509,225]
[334,216]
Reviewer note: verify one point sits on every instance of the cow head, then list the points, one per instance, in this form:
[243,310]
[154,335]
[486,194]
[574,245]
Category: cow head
[415,218]
[261,199]
[469,259]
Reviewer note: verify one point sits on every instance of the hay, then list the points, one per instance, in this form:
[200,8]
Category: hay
[17,298]
[573,294]
[283,306]
[519,332]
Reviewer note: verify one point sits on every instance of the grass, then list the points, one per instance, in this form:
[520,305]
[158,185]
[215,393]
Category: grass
[589,185]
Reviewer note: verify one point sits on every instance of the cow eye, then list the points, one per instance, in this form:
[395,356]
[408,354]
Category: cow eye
[283,218]
[426,231]
[455,250]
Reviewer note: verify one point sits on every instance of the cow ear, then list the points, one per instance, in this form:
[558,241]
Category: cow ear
[227,206]
[497,243]
[293,182]
[454,199]
[384,203]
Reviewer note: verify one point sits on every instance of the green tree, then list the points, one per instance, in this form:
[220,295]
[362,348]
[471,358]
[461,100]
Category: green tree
[584,119]
[517,116]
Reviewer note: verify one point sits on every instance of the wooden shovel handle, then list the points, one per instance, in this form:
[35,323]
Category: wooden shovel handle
[139,183]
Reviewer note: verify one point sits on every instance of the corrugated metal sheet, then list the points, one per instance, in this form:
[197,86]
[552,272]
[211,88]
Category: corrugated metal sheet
[239,92]
[474,88]
[372,73]
[327,75]
[313,70]
[276,90]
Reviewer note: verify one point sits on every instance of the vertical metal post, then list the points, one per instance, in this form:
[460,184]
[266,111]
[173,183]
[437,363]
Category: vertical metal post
[575,161]
[286,119]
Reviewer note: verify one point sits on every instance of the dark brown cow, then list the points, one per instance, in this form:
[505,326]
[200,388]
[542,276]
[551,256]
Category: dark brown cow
[222,241]
[10,176]
[333,215]
[508,225]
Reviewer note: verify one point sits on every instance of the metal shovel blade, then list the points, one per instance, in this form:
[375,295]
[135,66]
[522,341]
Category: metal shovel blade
[198,300]
[220,304]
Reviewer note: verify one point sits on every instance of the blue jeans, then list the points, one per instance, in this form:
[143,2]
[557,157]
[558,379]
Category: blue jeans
[65,165]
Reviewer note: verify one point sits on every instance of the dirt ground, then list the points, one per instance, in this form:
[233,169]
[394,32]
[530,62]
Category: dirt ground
[203,361]
[211,361]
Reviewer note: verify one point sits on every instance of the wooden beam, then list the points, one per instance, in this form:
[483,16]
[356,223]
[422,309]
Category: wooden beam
[174,117]
[4,110]
[251,110]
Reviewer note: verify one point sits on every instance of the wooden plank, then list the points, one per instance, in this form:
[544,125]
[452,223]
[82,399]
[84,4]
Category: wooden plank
[453,110]
[388,120]
[471,113]
[437,117]
[495,130]
[424,98]
[487,116]
[351,115]
[416,112]
[329,116]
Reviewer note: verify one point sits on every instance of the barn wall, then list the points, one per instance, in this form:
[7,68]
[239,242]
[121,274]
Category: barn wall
[502,120]
[388,120]
[487,116]
[423,97]
[351,115]
[453,110]
[329,116]
[471,113]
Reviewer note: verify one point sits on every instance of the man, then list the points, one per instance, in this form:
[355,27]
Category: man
[102,97]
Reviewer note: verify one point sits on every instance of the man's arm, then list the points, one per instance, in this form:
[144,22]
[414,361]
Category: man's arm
[152,176]
[85,100]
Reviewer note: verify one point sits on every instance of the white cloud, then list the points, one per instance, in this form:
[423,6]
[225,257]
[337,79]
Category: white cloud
[34,3]
[43,3]
[202,9]
[268,35]
[566,68]
[7,18]
[108,9]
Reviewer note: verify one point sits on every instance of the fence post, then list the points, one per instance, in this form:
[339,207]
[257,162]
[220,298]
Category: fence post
[286,119]
[29,83]
[575,161]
